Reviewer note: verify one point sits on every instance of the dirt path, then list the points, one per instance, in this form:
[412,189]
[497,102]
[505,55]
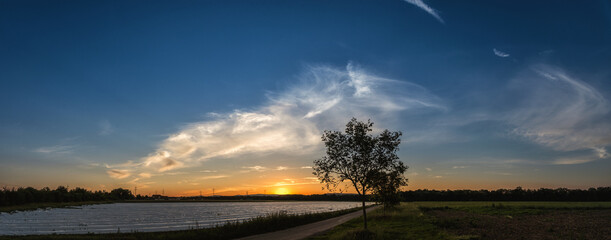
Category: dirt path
[307,230]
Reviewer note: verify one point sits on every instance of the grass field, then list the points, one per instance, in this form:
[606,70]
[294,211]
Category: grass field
[482,220]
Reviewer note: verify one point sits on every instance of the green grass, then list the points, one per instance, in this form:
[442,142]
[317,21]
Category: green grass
[512,208]
[405,222]
[410,221]
[34,206]
[552,205]
[229,230]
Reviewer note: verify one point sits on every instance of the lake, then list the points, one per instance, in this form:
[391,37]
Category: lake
[149,217]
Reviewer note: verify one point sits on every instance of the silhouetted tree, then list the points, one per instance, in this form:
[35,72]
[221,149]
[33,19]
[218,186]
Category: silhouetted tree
[359,157]
[387,186]
[121,194]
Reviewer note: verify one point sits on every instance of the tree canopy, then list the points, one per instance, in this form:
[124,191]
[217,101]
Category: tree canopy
[27,195]
[366,161]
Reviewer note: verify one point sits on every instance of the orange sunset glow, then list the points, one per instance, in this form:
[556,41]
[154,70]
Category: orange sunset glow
[282,191]
[209,108]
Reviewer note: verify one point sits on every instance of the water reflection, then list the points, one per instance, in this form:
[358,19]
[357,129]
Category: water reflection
[149,217]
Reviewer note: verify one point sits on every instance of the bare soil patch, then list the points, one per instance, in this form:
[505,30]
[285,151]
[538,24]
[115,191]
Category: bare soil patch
[553,224]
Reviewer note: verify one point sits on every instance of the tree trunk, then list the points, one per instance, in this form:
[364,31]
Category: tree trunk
[364,214]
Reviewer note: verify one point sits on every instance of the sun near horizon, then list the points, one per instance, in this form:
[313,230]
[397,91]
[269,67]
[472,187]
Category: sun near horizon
[282,191]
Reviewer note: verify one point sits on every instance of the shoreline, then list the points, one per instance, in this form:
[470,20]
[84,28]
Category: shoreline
[45,205]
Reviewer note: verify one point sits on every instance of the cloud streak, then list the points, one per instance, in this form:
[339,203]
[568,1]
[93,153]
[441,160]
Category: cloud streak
[118,174]
[499,53]
[213,177]
[291,122]
[563,113]
[57,149]
[571,161]
[423,6]
[256,168]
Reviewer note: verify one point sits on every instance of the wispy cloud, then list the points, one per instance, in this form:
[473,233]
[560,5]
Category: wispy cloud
[571,161]
[256,168]
[499,173]
[430,10]
[499,53]
[57,149]
[105,128]
[292,121]
[145,175]
[601,152]
[597,153]
[562,112]
[118,174]
[162,161]
[212,177]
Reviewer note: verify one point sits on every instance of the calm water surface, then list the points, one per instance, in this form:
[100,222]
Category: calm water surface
[149,217]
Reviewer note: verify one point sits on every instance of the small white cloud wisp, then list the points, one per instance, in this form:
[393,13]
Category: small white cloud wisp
[430,10]
[292,121]
[500,53]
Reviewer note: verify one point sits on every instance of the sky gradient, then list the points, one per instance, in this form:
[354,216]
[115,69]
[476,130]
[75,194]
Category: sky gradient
[183,97]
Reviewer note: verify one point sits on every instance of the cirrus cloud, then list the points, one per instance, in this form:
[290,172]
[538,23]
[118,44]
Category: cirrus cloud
[563,113]
[500,53]
[292,121]
[423,6]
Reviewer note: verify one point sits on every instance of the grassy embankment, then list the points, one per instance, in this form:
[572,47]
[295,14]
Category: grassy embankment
[34,206]
[230,230]
[482,220]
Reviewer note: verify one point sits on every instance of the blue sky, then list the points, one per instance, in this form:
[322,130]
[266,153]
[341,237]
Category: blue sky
[192,95]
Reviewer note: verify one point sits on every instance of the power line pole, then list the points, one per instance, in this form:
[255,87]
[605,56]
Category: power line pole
[213,192]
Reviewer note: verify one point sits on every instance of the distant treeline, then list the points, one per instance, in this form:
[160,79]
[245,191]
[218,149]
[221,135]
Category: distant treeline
[518,194]
[17,196]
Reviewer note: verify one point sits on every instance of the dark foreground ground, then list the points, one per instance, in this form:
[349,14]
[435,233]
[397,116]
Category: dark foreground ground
[559,224]
[482,220]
